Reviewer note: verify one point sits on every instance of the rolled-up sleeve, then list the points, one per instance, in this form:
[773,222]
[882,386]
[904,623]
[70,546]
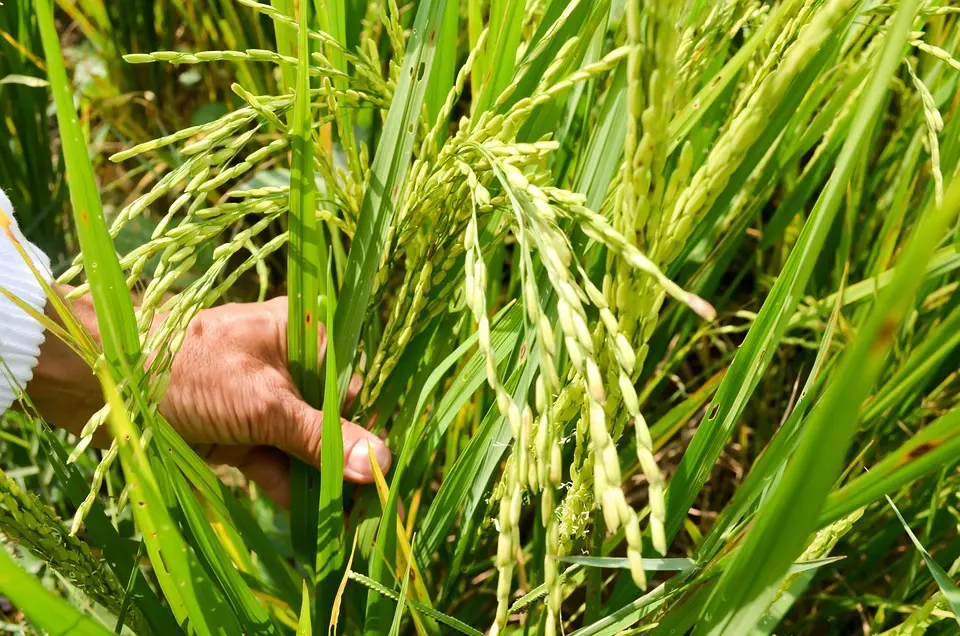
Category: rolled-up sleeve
[20,334]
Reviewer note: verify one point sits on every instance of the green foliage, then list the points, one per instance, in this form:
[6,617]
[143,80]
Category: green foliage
[33,174]
[623,280]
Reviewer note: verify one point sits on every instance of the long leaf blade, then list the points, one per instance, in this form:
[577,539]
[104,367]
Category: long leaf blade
[331,531]
[947,587]
[305,259]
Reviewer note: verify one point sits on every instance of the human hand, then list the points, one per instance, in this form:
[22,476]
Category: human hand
[230,395]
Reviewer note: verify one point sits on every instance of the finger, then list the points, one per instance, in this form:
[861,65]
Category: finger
[353,389]
[269,468]
[303,440]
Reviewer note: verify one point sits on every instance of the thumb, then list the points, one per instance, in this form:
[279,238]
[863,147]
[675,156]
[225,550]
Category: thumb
[303,440]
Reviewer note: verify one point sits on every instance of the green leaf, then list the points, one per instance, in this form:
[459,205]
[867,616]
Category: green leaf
[114,307]
[401,601]
[504,334]
[286,40]
[500,51]
[248,610]
[679,565]
[442,77]
[229,509]
[183,580]
[185,585]
[768,468]
[306,256]
[600,164]
[628,615]
[128,592]
[935,350]
[650,565]
[944,261]
[330,548]
[380,202]
[470,474]
[304,627]
[947,587]
[440,617]
[933,447]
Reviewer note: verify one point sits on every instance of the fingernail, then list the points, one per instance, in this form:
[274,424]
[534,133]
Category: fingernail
[359,460]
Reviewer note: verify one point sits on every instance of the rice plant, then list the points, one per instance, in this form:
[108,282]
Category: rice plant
[654,303]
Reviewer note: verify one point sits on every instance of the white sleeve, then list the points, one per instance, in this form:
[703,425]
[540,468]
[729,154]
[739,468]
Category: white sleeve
[20,334]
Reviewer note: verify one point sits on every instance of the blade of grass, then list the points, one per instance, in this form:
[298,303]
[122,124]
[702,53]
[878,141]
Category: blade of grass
[768,468]
[475,26]
[628,615]
[403,543]
[597,170]
[935,350]
[128,592]
[935,446]
[185,585]
[504,334]
[286,43]
[442,77]
[229,509]
[114,307]
[304,627]
[944,261]
[483,460]
[650,565]
[338,599]
[679,564]
[118,331]
[248,610]
[947,587]
[330,535]
[440,617]
[506,18]
[401,601]
[307,254]
[475,464]
[782,605]
[683,614]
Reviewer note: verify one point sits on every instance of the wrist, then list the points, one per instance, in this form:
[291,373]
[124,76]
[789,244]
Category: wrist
[64,389]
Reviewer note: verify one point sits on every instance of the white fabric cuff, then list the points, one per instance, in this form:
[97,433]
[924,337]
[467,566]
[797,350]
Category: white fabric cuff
[20,334]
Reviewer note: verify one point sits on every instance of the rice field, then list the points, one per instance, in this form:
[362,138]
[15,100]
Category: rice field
[653,302]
